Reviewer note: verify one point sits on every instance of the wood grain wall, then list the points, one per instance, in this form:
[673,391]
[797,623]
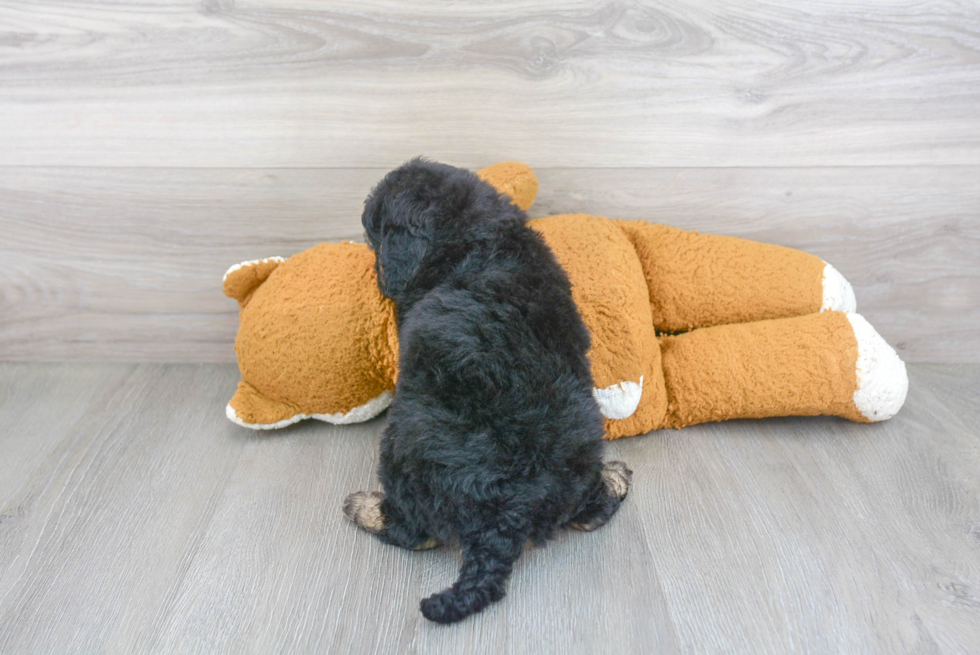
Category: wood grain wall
[146,146]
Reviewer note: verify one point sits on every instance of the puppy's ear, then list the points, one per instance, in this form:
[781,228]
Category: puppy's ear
[371,218]
[404,236]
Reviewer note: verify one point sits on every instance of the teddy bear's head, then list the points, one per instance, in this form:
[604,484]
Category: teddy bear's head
[317,339]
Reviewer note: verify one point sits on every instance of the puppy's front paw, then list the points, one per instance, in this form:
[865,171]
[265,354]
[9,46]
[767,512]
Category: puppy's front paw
[364,509]
[618,478]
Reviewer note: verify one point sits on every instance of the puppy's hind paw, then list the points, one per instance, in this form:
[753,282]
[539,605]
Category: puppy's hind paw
[618,478]
[588,526]
[364,509]
[428,544]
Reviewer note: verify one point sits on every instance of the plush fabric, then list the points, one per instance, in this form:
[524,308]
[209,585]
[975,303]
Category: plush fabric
[685,328]
[699,280]
[317,338]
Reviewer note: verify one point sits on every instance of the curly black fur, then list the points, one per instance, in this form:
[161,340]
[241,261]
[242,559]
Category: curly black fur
[494,436]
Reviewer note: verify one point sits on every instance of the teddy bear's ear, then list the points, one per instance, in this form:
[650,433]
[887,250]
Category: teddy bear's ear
[242,279]
[514,179]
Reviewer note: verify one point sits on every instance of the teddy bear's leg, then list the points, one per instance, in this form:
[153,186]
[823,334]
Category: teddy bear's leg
[828,363]
[699,280]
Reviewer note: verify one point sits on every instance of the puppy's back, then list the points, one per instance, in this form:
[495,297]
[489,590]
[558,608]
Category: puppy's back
[494,435]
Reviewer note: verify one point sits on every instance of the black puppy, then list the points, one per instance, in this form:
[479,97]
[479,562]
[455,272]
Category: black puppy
[494,436]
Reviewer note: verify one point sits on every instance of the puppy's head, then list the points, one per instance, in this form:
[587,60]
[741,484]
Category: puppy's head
[420,209]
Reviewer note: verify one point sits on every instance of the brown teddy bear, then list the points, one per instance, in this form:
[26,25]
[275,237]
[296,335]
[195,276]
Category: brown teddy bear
[686,328]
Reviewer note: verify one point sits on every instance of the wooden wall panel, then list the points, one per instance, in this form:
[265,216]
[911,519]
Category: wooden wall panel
[219,83]
[126,264]
[146,145]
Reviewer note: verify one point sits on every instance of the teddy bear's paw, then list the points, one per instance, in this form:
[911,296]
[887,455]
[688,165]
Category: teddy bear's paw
[261,424]
[882,382]
[838,294]
[619,401]
[250,409]
[361,413]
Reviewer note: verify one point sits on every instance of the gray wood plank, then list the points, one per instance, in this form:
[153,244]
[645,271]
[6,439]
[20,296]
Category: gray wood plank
[149,523]
[237,544]
[126,264]
[303,579]
[108,522]
[927,467]
[43,409]
[267,84]
[36,426]
[818,535]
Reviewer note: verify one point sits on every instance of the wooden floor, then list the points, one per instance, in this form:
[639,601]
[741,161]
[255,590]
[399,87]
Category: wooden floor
[135,518]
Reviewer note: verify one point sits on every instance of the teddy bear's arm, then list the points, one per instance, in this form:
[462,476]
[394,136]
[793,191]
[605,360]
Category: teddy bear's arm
[242,279]
[698,280]
[250,409]
[827,363]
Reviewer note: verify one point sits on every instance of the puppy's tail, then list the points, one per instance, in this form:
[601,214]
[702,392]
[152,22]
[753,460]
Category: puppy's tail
[486,566]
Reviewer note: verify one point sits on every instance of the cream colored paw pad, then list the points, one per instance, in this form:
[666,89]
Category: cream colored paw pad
[882,381]
[838,294]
